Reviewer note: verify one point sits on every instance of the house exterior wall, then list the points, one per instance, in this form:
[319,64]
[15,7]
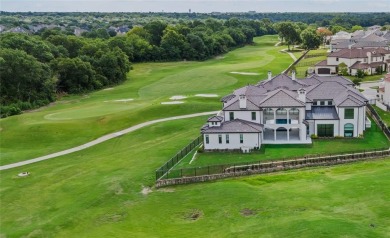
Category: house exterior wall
[334,122]
[251,140]
[386,94]
[358,121]
[244,115]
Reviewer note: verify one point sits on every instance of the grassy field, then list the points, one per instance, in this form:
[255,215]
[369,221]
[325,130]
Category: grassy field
[368,78]
[103,191]
[74,120]
[373,139]
[309,61]
[97,193]
[383,114]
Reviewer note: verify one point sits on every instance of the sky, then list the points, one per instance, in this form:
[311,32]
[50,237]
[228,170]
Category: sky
[195,5]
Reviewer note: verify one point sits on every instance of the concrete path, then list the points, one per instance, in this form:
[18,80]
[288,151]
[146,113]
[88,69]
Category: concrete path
[290,54]
[368,92]
[102,139]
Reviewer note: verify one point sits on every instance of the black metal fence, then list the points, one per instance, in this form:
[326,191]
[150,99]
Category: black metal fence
[176,159]
[371,111]
[229,168]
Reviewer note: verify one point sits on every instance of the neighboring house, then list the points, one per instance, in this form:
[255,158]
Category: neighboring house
[368,60]
[384,93]
[19,29]
[286,110]
[78,31]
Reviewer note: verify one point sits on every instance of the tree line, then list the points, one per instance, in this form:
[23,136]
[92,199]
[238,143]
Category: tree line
[35,69]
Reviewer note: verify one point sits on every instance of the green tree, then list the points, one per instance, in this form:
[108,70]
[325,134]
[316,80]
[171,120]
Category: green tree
[288,33]
[173,44]
[356,28]
[74,75]
[156,31]
[24,78]
[310,39]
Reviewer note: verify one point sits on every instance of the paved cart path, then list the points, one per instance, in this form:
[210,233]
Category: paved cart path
[102,139]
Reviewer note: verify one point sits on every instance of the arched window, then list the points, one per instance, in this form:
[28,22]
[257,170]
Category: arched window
[348,130]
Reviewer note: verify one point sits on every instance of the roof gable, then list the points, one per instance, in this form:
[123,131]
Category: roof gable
[281,98]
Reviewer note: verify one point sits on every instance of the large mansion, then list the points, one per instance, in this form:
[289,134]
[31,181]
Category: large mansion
[286,110]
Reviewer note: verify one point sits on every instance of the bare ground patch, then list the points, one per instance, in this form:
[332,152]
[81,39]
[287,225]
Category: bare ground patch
[192,215]
[248,212]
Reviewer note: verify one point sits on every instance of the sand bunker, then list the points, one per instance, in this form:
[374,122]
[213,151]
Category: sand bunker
[207,95]
[24,174]
[245,73]
[146,190]
[124,100]
[174,102]
[177,97]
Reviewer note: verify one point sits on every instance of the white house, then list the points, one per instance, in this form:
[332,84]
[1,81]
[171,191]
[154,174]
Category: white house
[384,94]
[286,110]
[367,59]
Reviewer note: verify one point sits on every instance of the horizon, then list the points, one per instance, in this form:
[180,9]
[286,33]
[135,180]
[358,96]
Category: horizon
[196,6]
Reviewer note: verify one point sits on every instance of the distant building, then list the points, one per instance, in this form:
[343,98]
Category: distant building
[384,94]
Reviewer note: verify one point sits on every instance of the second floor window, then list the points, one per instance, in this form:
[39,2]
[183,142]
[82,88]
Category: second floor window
[253,116]
[227,139]
[231,115]
[220,139]
[348,113]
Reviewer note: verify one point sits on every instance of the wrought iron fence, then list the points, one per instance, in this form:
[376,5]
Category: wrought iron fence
[160,172]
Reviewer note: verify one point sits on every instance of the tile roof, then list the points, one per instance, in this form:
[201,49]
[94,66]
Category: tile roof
[322,113]
[234,105]
[281,81]
[360,65]
[215,119]
[358,53]
[234,126]
[281,98]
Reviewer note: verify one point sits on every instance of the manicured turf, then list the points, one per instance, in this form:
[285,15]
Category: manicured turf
[373,139]
[75,120]
[368,78]
[308,61]
[97,193]
[385,116]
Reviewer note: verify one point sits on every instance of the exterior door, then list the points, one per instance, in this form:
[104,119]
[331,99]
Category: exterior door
[325,130]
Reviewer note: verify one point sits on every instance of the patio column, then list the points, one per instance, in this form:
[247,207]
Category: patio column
[288,134]
[274,115]
[288,115]
[274,134]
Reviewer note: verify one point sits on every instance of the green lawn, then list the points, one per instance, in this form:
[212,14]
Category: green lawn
[97,193]
[309,61]
[373,139]
[75,120]
[368,78]
[383,114]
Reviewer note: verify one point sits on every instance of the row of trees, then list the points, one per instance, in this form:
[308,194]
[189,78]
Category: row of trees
[308,37]
[34,69]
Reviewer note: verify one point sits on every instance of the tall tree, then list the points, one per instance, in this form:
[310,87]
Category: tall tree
[310,39]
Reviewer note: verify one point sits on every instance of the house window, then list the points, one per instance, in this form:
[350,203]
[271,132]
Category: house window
[314,103]
[253,116]
[241,138]
[207,139]
[348,113]
[337,59]
[220,139]
[231,116]
[322,103]
[227,139]
[294,111]
[330,103]
[348,130]
[325,130]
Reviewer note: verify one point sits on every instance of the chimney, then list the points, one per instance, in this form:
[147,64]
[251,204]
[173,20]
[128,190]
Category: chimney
[369,57]
[302,95]
[293,75]
[269,75]
[242,101]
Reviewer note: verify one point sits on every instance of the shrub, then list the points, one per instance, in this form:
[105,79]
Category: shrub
[313,136]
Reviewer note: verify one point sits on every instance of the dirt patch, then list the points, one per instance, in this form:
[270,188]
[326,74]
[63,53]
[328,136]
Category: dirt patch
[166,190]
[146,190]
[111,218]
[106,89]
[248,212]
[193,215]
